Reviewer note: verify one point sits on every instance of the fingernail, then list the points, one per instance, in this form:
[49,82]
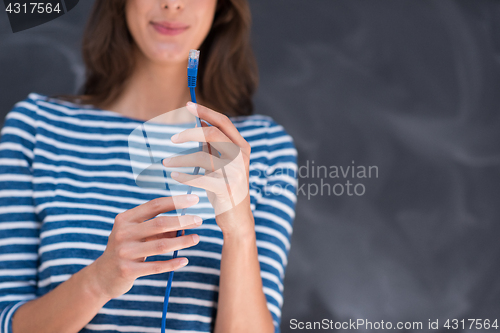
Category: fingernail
[174,174]
[183,261]
[192,197]
[174,137]
[198,220]
[196,238]
[165,160]
[193,106]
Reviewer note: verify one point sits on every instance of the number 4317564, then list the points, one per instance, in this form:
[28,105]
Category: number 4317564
[471,323]
[32,7]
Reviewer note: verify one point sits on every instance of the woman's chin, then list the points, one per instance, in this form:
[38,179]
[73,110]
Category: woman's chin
[170,54]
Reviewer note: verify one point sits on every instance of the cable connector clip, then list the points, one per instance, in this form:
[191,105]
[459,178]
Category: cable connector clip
[194,56]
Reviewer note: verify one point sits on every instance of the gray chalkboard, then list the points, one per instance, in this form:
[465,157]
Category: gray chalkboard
[408,88]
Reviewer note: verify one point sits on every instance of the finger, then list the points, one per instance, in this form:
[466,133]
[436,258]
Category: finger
[207,147]
[157,206]
[221,121]
[165,224]
[210,182]
[156,267]
[170,234]
[159,246]
[200,134]
[199,159]
[213,135]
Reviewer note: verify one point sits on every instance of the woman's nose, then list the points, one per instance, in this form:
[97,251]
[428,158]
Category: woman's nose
[172,4]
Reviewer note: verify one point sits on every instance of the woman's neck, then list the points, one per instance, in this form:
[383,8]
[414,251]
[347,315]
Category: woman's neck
[154,90]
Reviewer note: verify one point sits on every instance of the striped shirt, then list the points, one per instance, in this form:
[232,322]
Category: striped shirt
[65,173]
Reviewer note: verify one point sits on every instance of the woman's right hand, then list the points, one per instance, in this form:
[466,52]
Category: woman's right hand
[133,239]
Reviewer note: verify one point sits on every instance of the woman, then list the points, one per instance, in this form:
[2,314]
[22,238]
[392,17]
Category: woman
[82,247]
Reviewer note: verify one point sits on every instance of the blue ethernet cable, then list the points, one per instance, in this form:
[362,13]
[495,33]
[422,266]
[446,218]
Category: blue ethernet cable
[192,73]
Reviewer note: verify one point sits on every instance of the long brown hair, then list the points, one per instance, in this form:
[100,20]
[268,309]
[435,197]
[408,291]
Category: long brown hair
[228,74]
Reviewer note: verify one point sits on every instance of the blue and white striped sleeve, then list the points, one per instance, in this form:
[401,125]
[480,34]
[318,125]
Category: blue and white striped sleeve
[274,214]
[19,227]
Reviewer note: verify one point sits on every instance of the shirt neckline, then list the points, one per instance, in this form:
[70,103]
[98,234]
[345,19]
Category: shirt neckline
[115,114]
[119,115]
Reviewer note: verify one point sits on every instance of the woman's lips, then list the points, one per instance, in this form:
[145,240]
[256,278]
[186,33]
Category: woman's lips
[170,29]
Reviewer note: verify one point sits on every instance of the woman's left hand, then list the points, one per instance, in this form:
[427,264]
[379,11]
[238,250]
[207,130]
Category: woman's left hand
[226,178]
